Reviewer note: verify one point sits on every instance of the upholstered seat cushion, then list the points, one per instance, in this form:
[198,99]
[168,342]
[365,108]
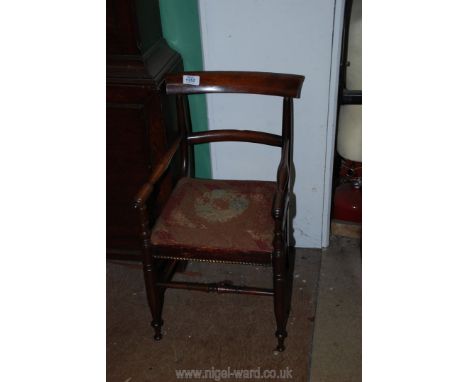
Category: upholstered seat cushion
[224,215]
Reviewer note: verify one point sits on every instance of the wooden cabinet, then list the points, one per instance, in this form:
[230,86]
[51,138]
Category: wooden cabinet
[141,120]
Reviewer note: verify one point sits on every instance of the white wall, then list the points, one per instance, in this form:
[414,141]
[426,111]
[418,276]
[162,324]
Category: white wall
[289,36]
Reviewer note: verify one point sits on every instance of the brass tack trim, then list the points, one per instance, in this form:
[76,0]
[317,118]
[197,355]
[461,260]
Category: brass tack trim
[209,261]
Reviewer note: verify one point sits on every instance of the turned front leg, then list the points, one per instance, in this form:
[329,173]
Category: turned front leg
[280,294]
[154,294]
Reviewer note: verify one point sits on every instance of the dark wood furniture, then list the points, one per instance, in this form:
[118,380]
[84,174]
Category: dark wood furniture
[141,120]
[216,220]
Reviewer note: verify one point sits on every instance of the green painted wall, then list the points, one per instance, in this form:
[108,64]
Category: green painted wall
[181,29]
[148,23]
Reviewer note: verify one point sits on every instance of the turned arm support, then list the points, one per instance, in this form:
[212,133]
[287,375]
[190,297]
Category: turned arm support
[146,190]
[281,198]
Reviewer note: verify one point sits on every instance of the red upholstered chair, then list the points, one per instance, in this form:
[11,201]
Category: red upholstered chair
[228,221]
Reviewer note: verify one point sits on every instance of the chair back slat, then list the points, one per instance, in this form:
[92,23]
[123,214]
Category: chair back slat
[235,135]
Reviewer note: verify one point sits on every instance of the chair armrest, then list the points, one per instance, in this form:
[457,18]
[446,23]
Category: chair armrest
[146,190]
[280,200]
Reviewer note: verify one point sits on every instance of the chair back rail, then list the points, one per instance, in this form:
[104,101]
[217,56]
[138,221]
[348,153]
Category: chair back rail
[274,84]
[235,135]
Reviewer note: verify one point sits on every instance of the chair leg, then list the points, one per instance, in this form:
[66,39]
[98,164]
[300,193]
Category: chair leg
[280,297]
[155,297]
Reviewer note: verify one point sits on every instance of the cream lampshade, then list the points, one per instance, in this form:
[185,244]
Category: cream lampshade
[349,140]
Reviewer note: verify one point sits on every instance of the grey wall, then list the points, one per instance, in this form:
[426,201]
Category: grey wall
[293,36]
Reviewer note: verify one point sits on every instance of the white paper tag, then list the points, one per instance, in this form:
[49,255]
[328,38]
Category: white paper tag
[191,80]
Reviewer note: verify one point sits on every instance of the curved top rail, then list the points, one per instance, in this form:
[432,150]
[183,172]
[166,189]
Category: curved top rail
[276,84]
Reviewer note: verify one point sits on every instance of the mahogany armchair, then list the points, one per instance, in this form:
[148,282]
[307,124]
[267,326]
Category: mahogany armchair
[226,221]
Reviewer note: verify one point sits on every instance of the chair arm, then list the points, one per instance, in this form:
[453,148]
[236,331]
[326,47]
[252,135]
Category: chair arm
[146,190]
[280,200]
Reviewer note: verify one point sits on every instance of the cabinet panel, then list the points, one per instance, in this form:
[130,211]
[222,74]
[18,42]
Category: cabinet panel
[141,121]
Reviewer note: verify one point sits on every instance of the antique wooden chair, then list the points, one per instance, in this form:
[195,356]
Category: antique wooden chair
[227,221]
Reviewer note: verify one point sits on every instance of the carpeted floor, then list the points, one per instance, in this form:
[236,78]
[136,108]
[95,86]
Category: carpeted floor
[336,350]
[203,330]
